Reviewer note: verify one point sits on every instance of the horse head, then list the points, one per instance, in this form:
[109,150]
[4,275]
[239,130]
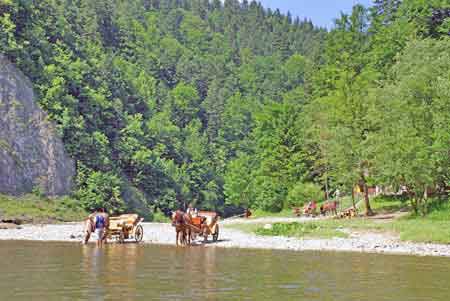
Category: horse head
[178,218]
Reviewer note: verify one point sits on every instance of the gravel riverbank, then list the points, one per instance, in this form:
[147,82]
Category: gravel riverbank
[231,238]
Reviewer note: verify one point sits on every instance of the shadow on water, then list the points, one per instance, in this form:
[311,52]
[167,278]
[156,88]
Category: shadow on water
[208,242]
[216,242]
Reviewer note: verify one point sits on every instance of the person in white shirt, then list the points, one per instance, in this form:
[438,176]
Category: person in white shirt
[193,212]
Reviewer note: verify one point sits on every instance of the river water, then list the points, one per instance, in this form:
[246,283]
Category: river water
[64,271]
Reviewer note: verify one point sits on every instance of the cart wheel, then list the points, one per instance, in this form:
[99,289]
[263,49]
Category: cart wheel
[121,237]
[216,233]
[139,233]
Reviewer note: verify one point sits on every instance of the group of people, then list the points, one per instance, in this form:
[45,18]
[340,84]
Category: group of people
[98,223]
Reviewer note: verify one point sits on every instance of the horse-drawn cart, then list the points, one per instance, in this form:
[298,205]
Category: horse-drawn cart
[126,226]
[205,224]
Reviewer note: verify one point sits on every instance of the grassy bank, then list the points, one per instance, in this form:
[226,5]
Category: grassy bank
[32,209]
[416,229]
[260,213]
[306,230]
[432,228]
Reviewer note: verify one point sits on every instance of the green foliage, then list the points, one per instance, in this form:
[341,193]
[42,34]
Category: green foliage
[156,97]
[31,208]
[302,193]
[431,229]
[269,194]
[101,190]
[390,204]
[38,192]
[258,213]
[163,103]
[310,229]
[159,217]
[238,181]
[413,119]
[439,210]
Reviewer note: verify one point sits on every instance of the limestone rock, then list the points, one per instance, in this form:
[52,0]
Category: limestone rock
[31,153]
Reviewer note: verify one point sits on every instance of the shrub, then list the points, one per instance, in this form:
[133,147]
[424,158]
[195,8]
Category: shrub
[101,189]
[302,193]
[160,217]
[269,195]
[136,201]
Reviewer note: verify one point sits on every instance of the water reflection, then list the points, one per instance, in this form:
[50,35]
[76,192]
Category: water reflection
[46,271]
[113,267]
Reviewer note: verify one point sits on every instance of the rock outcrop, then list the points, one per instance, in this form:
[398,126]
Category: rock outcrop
[31,153]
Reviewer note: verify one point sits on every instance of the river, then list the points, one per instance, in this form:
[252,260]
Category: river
[67,271]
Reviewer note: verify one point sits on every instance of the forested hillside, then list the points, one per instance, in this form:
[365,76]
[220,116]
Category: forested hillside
[162,102]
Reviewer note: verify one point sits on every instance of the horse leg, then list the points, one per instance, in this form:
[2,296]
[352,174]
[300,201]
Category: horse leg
[86,237]
[188,234]
[178,233]
[183,237]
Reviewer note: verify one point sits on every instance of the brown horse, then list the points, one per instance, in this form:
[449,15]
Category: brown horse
[310,208]
[181,222]
[329,207]
[89,228]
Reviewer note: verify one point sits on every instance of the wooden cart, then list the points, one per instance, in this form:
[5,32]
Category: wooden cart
[125,226]
[205,224]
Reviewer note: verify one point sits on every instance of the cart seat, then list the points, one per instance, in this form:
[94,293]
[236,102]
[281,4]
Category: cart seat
[211,216]
[197,221]
[130,218]
[115,223]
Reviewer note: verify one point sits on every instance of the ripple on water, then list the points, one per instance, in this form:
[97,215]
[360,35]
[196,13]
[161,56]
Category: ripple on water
[57,271]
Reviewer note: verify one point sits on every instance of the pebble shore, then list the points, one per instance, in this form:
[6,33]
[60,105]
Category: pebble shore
[230,238]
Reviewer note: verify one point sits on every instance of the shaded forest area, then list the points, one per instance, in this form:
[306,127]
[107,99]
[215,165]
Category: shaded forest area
[163,102]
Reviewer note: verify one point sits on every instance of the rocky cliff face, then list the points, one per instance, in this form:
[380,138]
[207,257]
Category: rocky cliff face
[31,154]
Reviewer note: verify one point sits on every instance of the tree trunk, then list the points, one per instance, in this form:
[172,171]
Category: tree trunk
[424,203]
[353,197]
[414,204]
[369,211]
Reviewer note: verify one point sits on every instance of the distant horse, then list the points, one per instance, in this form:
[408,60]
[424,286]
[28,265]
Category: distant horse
[181,222]
[310,208]
[329,207]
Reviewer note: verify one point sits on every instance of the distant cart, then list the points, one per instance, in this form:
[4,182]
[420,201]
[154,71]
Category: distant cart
[126,226]
[204,224]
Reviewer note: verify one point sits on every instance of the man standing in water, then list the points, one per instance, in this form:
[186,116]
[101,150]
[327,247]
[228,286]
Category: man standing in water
[97,222]
[101,225]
